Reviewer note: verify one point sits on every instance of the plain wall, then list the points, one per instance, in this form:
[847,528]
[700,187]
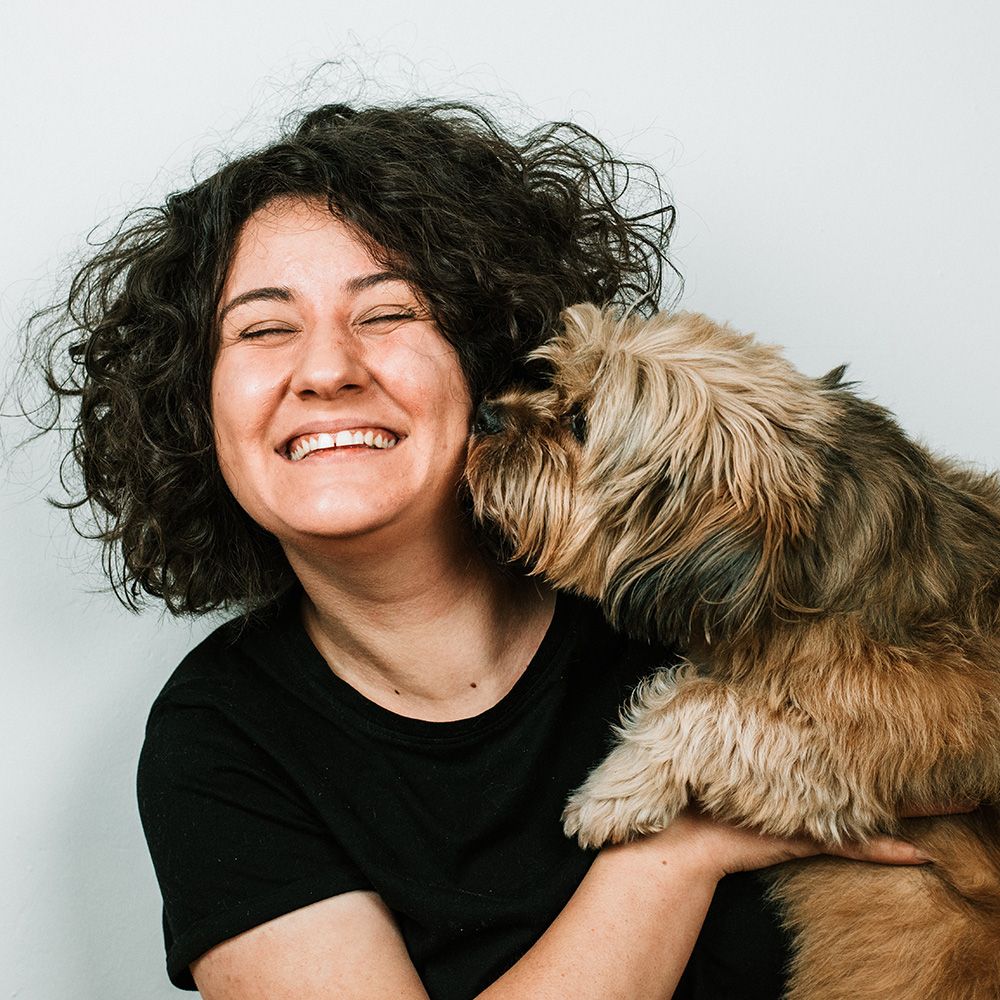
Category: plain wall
[835,172]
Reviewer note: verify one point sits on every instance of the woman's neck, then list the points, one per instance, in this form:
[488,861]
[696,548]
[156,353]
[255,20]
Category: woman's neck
[430,629]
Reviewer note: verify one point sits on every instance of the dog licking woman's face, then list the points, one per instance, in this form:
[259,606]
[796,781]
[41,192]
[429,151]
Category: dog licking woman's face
[537,453]
[523,461]
[669,440]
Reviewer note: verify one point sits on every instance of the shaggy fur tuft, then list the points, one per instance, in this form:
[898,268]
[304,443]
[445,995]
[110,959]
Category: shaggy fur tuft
[837,591]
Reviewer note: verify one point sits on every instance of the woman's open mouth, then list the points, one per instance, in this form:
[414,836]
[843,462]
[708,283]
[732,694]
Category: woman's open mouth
[377,438]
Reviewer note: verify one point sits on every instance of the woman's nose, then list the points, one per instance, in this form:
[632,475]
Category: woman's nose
[328,362]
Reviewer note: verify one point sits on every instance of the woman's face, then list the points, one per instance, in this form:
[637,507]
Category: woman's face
[339,408]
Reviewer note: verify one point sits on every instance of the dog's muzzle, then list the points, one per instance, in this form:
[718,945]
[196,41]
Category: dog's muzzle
[488,419]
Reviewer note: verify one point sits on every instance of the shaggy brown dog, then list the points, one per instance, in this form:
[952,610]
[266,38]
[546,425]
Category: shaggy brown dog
[836,589]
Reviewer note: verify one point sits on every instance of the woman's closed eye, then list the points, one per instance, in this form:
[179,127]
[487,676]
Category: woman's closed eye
[373,321]
[388,317]
[264,331]
[257,333]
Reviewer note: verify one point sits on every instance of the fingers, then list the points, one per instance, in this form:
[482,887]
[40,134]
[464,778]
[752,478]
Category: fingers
[880,850]
[732,849]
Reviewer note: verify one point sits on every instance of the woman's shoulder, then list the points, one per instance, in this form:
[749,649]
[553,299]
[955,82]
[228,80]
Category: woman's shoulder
[230,655]
[220,687]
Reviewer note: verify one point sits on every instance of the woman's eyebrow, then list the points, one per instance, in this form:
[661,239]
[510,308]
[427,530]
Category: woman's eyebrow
[281,294]
[359,284]
[273,294]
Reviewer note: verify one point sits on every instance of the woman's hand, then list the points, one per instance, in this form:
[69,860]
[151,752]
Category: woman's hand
[717,849]
[714,849]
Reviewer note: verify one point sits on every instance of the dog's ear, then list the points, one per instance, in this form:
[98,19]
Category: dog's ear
[834,379]
[724,578]
[585,326]
[715,589]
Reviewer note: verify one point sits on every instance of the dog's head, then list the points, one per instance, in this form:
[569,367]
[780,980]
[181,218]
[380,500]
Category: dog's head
[664,465]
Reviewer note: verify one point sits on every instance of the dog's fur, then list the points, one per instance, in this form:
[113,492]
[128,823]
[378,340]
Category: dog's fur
[836,589]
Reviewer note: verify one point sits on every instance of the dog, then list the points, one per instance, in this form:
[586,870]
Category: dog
[835,590]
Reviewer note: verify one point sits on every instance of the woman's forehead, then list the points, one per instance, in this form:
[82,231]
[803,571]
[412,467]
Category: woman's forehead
[296,243]
[288,220]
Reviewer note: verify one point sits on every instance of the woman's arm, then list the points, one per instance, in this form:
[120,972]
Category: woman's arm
[627,931]
[343,948]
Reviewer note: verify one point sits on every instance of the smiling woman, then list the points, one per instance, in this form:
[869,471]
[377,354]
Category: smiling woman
[354,789]
[490,236]
[345,352]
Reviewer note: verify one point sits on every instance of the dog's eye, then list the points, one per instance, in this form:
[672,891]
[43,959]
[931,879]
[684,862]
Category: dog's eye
[537,373]
[578,423]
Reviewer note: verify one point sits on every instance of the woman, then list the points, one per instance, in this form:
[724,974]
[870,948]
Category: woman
[354,789]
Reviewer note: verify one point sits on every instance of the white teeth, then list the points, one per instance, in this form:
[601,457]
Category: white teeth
[342,439]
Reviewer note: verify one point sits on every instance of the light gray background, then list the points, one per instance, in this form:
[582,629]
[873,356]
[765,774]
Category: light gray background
[835,170]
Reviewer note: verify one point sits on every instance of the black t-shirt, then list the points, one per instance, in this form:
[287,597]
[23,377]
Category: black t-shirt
[267,783]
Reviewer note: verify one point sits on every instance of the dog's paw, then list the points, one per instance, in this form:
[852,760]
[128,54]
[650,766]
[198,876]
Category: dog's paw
[595,820]
[631,792]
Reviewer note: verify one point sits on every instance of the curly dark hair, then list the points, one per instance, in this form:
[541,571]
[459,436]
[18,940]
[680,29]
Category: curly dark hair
[497,232]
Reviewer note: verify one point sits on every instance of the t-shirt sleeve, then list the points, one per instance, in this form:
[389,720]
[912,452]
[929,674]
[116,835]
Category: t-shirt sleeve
[233,841]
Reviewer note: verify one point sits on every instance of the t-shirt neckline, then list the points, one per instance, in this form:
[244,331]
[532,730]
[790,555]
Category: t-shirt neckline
[328,690]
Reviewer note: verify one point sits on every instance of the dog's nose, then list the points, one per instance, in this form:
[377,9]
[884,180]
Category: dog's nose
[488,419]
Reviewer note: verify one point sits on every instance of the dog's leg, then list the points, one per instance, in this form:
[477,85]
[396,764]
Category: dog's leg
[830,735]
[637,788]
[691,737]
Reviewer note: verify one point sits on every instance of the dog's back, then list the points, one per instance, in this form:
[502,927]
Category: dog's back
[906,538]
